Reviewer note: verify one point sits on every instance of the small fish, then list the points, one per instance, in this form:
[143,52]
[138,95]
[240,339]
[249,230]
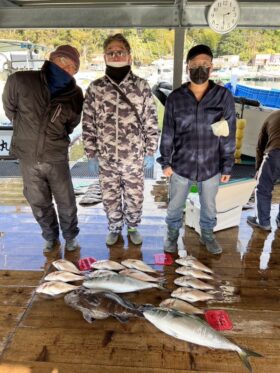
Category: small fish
[102,304]
[191,295]
[192,329]
[66,265]
[186,271]
[100,273]
[107,264]
[138,264]
[55,288]
[63,276]
[119,284]
[192,282]
[180,306]
[140,275]
[193,263]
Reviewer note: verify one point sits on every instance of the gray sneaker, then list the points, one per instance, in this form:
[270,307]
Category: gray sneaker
[72,245]
[112,238]
[134,236]
[208,239]
[51,246]
[252,220]
[170,243]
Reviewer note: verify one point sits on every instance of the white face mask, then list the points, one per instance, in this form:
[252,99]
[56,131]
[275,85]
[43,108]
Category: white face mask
[117,63]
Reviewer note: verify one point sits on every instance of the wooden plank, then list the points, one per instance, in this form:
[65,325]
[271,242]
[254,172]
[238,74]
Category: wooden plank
[20,278]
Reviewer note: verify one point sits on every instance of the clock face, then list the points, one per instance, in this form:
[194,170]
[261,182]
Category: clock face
[223,15]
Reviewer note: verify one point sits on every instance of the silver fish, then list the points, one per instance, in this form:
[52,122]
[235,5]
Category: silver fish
[192,329]
[119,284]
[66,265]
[55,288]
[180,305]
[107,264]
[63,276]
[100,273]
[193,263]
[191,295]
[142,276]
[186,271]
[192,282]
[102,304]
[138,264]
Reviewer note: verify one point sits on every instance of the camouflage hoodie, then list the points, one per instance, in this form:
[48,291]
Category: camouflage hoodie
[111,130]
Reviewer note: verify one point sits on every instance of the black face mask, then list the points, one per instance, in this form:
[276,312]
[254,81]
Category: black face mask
[199,75]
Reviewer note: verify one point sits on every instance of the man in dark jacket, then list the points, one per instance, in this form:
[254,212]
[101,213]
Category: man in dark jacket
[193,150]
[44,107]
[268,171]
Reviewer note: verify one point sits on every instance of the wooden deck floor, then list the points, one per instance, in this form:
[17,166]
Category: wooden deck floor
[46,336]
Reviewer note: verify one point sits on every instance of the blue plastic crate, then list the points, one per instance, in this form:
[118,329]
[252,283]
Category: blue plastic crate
[267,97]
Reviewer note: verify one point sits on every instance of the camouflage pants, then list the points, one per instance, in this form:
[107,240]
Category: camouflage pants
[122,187]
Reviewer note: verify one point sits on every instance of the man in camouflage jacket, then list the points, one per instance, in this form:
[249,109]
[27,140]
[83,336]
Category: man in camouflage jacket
[120,134]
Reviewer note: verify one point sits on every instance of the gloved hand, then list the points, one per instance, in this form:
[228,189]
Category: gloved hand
[149,161]
[93,166]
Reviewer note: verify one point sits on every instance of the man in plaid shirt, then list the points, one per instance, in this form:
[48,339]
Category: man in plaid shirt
[191,152]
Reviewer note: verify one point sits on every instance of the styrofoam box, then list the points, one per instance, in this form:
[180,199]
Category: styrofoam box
[229,202]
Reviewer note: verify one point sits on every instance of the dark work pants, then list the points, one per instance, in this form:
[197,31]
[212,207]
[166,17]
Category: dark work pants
[268,173]
[43,182]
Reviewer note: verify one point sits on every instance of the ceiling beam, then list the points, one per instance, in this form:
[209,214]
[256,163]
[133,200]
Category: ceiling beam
[191,14]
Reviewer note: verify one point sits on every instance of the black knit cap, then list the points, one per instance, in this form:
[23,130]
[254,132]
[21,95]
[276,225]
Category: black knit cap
[198,49]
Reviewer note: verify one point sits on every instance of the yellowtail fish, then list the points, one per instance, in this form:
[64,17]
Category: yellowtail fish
[193,282]
[138,264]
[192,329]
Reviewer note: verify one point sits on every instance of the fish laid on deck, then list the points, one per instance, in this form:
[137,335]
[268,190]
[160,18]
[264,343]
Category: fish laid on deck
[192,282]
[107,264]
[100,273]
[101,305]
[66,265]
[193,263]
[187,271]
[192,329]
[138,264]
[119,284]
[53,289]
[180,305]
[142,276]
[63,276]
[191,295]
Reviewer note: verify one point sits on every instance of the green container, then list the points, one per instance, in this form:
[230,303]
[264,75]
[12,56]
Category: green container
[194,188]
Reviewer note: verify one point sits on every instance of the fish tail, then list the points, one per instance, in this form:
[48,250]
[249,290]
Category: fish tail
[244,353]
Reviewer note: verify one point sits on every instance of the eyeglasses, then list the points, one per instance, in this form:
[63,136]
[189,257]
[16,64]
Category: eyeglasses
[68,64]
[206,65]
[113,54]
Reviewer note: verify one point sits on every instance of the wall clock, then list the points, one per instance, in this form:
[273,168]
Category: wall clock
[223,15]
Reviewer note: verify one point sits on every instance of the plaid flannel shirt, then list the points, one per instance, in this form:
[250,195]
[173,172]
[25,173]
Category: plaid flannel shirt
[188,143]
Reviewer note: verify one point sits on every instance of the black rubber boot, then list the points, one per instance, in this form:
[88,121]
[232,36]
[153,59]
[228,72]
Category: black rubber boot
[170,243]
[207,238]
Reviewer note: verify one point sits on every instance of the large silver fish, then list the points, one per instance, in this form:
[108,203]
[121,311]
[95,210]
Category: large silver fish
[192,329]
[66,265]
[107,264]
[138,264]
[193,263]
[102,304]
[180,305]
[119,284]
[53,289]
[63,276]
[192,282]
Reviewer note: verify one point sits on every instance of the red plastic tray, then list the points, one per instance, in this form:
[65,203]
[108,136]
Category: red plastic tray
[163,259]
[218,319]
[84,263]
